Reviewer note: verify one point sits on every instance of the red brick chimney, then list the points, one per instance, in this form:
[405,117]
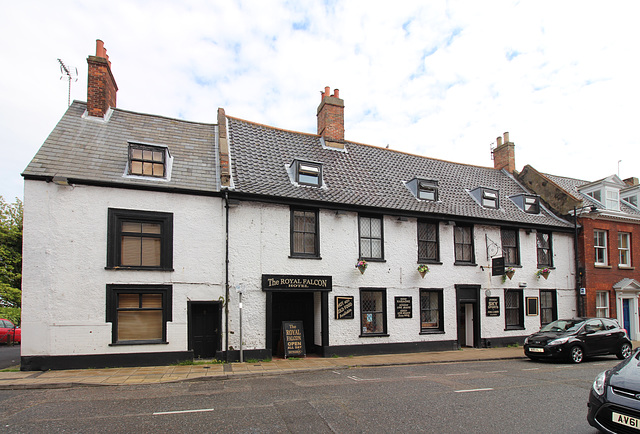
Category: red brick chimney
[331,118]
[504,155]
[102,87]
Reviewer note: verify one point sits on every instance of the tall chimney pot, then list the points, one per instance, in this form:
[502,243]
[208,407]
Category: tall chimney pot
[101,86]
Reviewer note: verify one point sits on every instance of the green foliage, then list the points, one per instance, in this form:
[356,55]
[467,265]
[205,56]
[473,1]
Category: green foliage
[11,313]
[11,253]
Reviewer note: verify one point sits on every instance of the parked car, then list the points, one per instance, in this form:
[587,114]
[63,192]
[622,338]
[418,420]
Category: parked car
[9,332]
[614,400]
[577,338]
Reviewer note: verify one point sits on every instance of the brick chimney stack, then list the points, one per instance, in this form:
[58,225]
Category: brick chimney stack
[331,118]
[102,87]
[504,155]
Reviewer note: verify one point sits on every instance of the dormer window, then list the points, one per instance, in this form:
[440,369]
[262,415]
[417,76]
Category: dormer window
[613,200]
[307,173]
[531,204]
[489,198]
[633,200]
[145,160]
[597,195]
[428,190]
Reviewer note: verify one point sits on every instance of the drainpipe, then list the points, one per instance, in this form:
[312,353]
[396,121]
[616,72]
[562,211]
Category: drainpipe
[579,299]
[226,274]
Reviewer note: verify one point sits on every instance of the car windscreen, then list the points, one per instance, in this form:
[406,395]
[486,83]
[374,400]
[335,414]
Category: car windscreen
[563,325]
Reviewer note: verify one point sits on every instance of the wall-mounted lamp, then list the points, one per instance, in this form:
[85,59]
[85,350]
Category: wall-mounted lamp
[450,223]
[60,180]
[341,212]
[530,231]
[233,203]
[402,219]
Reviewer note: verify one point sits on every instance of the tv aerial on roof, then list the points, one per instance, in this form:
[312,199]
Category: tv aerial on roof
[71,74]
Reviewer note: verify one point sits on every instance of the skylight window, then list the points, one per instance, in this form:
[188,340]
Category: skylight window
[489,198]
[428,190]
[307,173]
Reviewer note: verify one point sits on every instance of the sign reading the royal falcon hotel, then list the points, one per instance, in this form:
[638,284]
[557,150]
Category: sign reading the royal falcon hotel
[279,281]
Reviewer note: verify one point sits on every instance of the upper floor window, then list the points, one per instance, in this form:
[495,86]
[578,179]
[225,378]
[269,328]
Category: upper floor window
[613,200]
[487,197]
[543,247]
[428,190]
[532,204]
[600,246]
[624,249]
[428,250]
[304,233]
[146,160]
[597,195]
[308,173]
[371,239]
[463,244]
[139,240]
[510,250]
[633,200]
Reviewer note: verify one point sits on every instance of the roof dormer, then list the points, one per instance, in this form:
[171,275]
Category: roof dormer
[605,191]
[486,197]
[529,203]
[424,189]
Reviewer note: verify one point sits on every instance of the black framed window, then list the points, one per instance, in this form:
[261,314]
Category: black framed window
[428,190]
[489,198]
[304,233]
[431,310]
[513,309]
[308,173]
[463,241]
[371,238]
[548,307]
[428,247]
[373,312]
[510,246]
[139,240]
[543,246]
[139,313]
[145,160]
[532,204]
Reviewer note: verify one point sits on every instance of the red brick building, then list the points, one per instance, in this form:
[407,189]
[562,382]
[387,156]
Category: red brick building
[607,240]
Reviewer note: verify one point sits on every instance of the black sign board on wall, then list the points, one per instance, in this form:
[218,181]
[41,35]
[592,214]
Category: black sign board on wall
[493,306]
[497,266]
[403,307]
[344,307]
[293,339]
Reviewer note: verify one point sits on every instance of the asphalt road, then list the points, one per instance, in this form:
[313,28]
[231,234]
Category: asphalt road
[9,355]
[516,396]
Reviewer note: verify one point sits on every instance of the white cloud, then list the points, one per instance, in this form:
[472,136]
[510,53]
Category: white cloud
[437,78]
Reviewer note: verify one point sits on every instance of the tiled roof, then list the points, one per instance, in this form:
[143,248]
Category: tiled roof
[368,176]
[96,151]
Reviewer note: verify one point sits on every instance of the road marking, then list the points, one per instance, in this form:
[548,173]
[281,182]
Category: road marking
[564,367]
[336,372]
[531,369]
[354,378]
[495,372]
[419,376]
[182,411]
[473,390]
[461,373]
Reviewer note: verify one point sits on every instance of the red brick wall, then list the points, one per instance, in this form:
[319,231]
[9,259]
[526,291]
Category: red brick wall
[101,88]
[331,119]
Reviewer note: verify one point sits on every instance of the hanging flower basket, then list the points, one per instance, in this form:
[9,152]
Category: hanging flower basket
[509,272]
[544,272]
[423,269]
[362,266]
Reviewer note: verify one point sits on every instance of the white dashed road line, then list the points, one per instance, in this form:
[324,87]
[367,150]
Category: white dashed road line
[473,390]
[202,410]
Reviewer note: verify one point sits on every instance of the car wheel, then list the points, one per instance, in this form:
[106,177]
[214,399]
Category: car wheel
[625,351]
[576,354]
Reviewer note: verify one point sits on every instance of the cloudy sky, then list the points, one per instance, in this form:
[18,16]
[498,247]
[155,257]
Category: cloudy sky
[437,78]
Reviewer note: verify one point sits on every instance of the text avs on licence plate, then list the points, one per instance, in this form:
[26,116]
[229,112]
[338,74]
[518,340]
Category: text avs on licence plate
[536,350]
[625,420]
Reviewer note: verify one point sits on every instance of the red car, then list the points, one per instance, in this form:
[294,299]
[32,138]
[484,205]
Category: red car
[9,332]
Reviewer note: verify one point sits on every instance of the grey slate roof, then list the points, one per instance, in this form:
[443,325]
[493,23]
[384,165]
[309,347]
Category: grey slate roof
[96,151]
[368,176]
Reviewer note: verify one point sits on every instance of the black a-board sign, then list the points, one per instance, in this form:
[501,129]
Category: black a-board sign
[293,339]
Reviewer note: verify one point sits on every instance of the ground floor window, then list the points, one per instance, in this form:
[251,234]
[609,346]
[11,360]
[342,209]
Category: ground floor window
[602,304]
[139,313]
[431,311]
[548,308]
[373,311]
[514,312]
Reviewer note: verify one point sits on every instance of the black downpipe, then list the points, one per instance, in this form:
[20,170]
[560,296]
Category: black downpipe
[226,277]
[579,298]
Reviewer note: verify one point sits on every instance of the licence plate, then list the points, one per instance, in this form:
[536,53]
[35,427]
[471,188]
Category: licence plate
[536,350]
[625,420]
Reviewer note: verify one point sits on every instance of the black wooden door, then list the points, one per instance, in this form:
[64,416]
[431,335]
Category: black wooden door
[205,329]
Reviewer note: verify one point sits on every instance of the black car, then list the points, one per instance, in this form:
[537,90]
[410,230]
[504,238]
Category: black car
[614,401]
[577,338]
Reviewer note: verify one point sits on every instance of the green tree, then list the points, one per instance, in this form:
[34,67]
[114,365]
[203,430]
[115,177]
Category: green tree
[10,253]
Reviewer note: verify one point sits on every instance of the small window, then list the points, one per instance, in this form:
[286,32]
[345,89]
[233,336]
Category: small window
[428,249]
[600,246]
[624,249]
[531,204]
[602,304]
[633,200]
[548,307]
[428,190]
[371,239]
[304,233]
[613,200]
[308,173]
[373,312]
[597,195]
[147,160]
[139,240]
[431,311]
[543,247]
[489,198]
[139,313]
[463,241]
[514,312]
[510,250]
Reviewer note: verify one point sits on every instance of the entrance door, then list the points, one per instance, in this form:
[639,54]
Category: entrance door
[626,315]
[468,324]
[292,306]
[468,313]
[204,329]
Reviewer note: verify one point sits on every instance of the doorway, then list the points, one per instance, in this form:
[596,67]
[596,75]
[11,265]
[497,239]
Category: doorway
[468,315]
[292,306]
[204,328]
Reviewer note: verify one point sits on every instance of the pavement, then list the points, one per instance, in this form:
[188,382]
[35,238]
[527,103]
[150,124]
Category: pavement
[203,371]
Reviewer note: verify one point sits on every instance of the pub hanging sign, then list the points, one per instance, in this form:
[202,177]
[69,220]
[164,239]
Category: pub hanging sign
[299,282]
